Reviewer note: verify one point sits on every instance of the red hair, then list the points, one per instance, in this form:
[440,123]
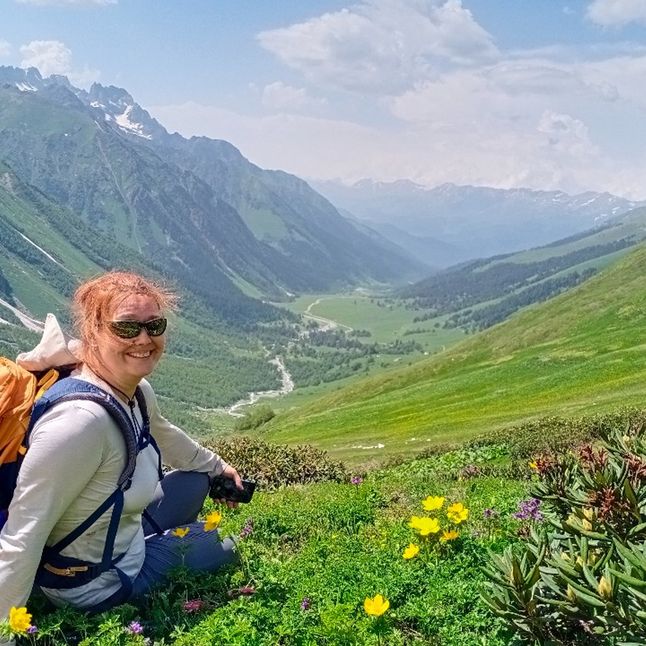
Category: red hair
[96,299]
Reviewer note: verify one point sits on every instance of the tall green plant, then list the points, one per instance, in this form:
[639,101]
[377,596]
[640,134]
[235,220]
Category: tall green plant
[581,576]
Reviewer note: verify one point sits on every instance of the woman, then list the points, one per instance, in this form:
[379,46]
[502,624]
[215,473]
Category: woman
[76,456]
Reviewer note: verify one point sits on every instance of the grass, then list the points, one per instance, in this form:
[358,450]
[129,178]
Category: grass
[316,552]
[580,352]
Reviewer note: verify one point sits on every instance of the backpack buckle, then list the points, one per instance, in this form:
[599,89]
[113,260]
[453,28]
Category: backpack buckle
[67,571]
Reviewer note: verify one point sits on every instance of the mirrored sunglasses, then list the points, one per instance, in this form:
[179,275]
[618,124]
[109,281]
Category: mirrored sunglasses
[132,329]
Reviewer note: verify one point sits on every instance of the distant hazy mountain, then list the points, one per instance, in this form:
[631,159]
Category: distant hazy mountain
[215,219]
[450,224]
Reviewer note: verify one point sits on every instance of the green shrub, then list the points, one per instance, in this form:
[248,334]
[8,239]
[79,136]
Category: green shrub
[254,418]
[558,434]
[273,465]
[582,575]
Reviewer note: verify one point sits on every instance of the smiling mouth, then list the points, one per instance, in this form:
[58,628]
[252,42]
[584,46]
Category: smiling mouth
[140,355]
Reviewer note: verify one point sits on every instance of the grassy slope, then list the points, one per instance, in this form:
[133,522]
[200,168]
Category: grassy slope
[31,288]
[580,352]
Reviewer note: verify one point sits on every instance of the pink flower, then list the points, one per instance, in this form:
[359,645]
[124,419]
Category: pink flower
[247,530]
[193,605]
[245,591]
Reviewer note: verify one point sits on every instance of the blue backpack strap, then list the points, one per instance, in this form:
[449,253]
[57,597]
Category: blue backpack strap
[146,437]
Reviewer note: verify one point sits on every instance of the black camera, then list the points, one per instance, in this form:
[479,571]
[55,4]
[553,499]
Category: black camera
[225,489]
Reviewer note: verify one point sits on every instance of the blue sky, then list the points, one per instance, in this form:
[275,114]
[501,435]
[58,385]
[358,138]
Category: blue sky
[507,93]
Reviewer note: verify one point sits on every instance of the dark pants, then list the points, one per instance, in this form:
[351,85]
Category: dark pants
[177,503]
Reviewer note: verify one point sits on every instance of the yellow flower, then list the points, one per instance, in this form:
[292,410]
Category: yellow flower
[431,503]
[212,521]
[457,513]
[19,620]
[588,513]
[449,535]
[411,551]
[180,532]
[424,525]
[376,606]
[604,588]
[533,465]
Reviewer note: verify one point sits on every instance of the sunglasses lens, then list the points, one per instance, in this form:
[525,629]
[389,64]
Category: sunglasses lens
[125,329]
[156,327]
[131,329]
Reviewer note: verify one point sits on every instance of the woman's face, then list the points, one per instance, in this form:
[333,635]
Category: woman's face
[124,362]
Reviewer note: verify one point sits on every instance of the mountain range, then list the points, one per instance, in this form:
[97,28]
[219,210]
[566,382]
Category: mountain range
[480,293]
[449,224]
[195,208]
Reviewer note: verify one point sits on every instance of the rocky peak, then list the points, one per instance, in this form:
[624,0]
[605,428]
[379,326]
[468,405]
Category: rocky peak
[26,80]
[119,108]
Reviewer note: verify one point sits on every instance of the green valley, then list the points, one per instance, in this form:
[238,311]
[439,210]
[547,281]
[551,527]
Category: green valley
[582,352]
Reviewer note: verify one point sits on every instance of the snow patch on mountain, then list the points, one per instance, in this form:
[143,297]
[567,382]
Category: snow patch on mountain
[31,242]
[124,122]
[27,321]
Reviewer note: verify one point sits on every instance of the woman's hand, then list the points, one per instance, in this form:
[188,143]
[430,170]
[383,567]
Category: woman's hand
[230,472]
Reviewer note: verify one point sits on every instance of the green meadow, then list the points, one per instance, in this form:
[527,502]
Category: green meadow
[385,321]
[310,556]
[579,353]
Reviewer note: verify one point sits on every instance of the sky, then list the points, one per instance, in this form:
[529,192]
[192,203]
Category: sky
[506,93]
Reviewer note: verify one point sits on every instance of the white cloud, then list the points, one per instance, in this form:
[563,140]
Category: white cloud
[279,96]
[295,143]
[381,46]
[617,12]
[5,48]
[553,150]
[54,57]
[49,56]
[511,94]
[536,122]
[66,3]
[446,104]
[567,135]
